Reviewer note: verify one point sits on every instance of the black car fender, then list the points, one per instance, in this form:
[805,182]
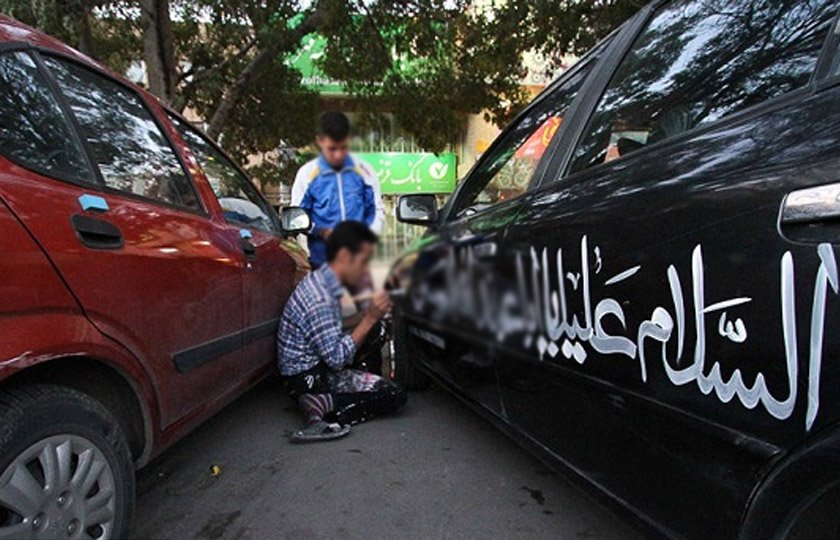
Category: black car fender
[793,484]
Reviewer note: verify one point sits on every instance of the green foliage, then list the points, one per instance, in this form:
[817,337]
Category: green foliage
[112,36]
[427,61]
[219,40]
[574,26]
[60,19]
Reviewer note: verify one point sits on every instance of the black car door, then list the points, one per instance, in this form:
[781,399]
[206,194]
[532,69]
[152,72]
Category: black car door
[669,304]
[465,261]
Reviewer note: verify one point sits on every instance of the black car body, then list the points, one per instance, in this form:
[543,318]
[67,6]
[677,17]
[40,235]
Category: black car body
[649,300]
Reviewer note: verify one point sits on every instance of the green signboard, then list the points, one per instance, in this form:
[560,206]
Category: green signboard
[421,172]
[308,57]
[305,60]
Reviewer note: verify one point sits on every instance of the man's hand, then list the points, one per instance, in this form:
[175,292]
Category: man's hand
[380,304]
[325,233]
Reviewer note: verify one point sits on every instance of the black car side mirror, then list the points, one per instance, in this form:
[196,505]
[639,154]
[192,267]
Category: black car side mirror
[295,220]
[417,209]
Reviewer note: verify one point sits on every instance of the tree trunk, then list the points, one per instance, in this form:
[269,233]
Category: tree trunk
[85,34]
[158,48]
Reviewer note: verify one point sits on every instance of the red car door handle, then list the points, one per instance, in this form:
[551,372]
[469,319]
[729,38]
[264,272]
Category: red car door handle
[248,247]
[96,233]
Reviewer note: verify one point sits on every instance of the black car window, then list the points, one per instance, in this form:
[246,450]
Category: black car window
[239,199]
[129,147]
[698,61]
[506,172]
[33,130]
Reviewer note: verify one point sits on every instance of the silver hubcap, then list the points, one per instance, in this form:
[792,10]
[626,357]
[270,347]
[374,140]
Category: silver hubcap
[60,487]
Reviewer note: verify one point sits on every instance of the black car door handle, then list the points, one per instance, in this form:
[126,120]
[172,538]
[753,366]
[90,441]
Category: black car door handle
[485,250]
[96,233]
[812,205]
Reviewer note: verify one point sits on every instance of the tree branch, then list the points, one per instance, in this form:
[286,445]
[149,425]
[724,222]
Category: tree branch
[204,73]
[234,94]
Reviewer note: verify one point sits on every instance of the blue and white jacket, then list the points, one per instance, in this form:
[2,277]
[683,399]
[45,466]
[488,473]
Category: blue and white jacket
[332,196]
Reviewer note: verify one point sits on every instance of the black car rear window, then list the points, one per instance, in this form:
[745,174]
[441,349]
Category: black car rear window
[700,60]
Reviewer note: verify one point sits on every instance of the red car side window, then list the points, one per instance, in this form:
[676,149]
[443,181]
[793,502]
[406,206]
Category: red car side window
[239,199]
[33,129]
[126,143]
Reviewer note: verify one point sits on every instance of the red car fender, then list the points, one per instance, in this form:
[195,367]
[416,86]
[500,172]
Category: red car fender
[27,341]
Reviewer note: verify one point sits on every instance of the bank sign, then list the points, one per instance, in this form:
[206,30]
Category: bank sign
[305,60]
[420,172]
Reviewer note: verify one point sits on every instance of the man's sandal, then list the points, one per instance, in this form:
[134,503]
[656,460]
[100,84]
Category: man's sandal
[319,431]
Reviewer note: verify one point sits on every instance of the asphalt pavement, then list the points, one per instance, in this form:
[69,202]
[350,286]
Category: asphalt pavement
[437,470]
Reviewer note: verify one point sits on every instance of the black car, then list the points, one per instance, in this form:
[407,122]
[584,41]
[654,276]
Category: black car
[638,280]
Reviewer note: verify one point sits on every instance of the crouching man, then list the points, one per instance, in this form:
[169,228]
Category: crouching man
[314,353]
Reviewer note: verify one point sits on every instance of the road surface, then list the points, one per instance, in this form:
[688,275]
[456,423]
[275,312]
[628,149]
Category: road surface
[435,471]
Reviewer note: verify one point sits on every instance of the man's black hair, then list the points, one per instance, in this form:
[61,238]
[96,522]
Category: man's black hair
[351,235]
[334,124]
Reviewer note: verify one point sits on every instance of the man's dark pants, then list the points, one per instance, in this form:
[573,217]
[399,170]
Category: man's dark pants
[357,395]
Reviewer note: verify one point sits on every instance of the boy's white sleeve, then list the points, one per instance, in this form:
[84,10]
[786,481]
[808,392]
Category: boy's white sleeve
[372,180]
[300,185]
[299,188]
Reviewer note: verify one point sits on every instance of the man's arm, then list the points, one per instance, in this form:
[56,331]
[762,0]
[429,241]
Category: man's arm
[333,346]
[300,186]
[309,205]
[301,196]
[374,207]
[380,304]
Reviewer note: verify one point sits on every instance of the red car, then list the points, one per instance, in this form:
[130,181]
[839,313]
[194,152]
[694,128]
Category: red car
[143,279]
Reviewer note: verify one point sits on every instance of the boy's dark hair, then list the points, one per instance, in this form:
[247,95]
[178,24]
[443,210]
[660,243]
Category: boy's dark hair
[334,124]
[351,235]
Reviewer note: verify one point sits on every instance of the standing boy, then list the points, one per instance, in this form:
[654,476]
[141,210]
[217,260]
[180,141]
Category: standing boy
[336,186]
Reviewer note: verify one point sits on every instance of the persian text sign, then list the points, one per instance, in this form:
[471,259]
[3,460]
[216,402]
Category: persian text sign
[422,172]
